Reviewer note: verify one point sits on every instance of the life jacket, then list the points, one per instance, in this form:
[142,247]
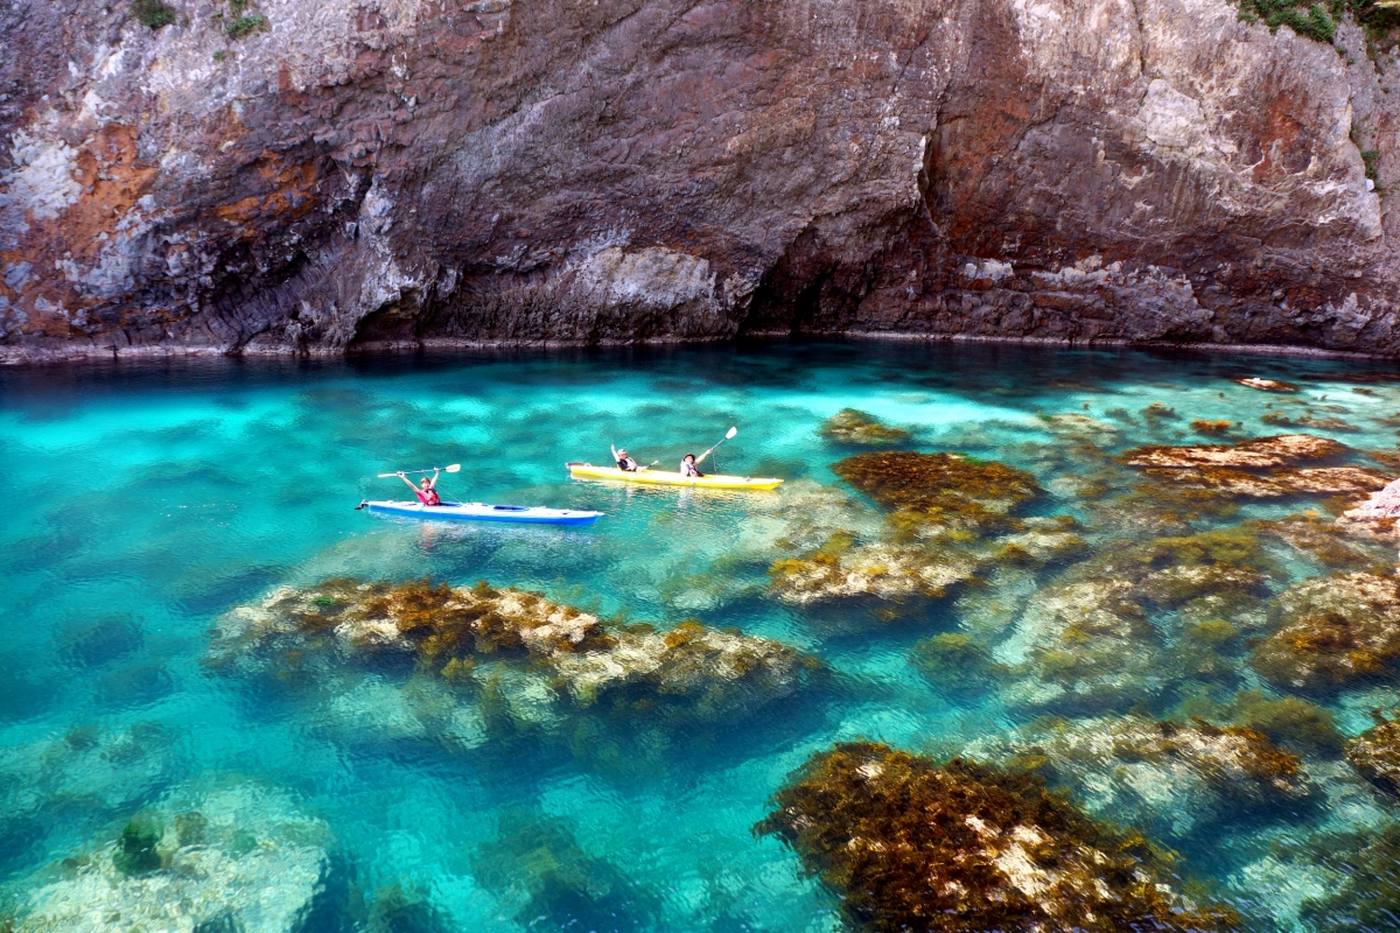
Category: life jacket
[430,497]
[626,464]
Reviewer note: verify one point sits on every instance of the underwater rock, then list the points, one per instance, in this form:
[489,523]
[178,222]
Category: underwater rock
[911,844]
[802,516]
[943,490]
[1301,481]
[521,651]
[1338,545]
[861,429]
[1379,513]
[1267,385]
[538,870]
[241,857]
[1375,754]
[1176,779]
[1041,542]
[1258,454]
[1334,631]
[955,664]
[1212,426]
[882,570]
[1278,419]
[1290,721]
[95,768]
[1264,468]
[1365,893]
[1093,639]
[1084,646]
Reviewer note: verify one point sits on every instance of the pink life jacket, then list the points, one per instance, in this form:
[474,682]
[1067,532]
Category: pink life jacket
[430,497]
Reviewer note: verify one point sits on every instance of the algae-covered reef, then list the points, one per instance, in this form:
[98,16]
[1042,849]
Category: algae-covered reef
[946,517]
[1262,468]
[524,661]
[1375,754]
[235,857]
[1177,779]
[908,843]
[861,429]
[1336,631]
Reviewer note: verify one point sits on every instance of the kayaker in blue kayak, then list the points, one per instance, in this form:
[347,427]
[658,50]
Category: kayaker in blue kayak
[426,491]
[625,463]
[689,467]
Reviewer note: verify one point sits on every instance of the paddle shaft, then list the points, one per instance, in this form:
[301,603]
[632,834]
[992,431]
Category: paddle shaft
[450,468]
[727,435]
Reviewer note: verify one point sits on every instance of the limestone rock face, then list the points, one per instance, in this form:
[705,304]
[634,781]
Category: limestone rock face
[405,171]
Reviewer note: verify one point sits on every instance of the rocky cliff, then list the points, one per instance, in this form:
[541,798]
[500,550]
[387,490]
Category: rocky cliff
[304,174]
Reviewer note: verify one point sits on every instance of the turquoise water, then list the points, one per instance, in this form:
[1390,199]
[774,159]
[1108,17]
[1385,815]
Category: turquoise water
[146,502]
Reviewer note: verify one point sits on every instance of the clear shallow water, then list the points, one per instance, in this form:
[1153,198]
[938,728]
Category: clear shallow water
[146,502]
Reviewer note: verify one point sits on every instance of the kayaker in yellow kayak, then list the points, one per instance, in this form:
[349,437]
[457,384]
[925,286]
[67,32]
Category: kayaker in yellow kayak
[624,462]
[689,466]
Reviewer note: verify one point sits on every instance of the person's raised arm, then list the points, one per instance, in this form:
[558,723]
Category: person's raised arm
[432,483]
[407,482]
[614,452]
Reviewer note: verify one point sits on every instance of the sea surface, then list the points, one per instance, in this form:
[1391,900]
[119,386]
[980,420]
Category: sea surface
[147,502]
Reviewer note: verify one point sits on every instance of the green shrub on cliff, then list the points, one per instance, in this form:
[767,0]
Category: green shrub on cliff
[152,13]
[1311,20]
[1381,18]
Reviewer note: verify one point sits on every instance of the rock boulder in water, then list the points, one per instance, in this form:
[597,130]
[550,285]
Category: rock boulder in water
[238,857]
[911,844]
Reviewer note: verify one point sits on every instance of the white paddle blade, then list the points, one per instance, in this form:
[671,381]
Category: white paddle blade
[729,435]
[452,468]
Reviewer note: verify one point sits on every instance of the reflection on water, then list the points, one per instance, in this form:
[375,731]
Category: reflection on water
[210,705]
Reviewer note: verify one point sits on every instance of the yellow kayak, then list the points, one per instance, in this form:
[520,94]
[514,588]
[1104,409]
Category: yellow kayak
[667,478]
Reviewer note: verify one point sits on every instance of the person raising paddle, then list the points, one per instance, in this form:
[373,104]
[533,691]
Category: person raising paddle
[426,490]
[689,467]
[624,461]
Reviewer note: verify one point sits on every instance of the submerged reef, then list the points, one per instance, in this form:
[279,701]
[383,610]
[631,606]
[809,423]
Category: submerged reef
[1333,632]
[945,490]
[1097,637]
[861,429]
[911,844]
[947,518]
[239,857]
[1375,754]
[1262,468]
[1176,779]
[525,657]
[538,870]
[1379,514]
[956,664]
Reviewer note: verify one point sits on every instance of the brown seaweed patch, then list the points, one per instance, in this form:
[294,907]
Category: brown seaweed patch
[1257,454]
[861,429]
[942,488]
[1212,426]
[911,844]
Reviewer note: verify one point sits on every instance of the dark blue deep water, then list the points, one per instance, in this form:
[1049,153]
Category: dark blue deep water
[146,503]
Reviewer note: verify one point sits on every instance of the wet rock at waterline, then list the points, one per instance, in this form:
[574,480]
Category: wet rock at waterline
[908,843]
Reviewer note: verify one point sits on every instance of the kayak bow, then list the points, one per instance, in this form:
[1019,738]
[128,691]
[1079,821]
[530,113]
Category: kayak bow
[667,478]
[482,512]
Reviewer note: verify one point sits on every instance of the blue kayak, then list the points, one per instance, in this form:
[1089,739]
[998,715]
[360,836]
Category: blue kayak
[481,512]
